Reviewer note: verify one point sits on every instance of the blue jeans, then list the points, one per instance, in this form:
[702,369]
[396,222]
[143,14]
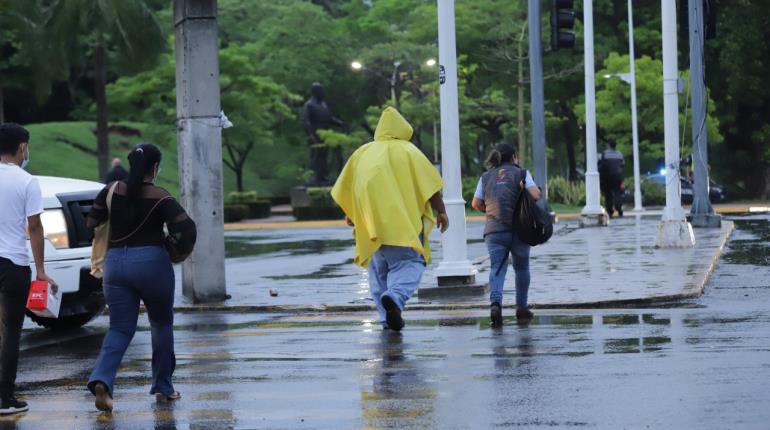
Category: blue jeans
[133,274]
[394,271]
[499,246]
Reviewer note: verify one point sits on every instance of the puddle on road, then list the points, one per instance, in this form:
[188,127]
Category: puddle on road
[249,246]
[327,271]
[750,243]
[635,345]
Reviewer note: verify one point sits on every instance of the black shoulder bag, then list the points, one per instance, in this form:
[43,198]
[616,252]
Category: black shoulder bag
[532,219]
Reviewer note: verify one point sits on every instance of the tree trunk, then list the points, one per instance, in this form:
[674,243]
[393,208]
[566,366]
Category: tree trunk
[239,178]
[2,108]
[569,134]
[100,92]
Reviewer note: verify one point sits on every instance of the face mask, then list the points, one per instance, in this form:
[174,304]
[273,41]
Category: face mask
[155,178]
[25,162]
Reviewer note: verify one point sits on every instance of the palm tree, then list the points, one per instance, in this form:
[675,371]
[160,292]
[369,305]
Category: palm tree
[126,31]
[25,60]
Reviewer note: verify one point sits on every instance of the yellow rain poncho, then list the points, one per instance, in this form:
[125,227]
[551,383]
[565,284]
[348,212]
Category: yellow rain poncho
[385,189]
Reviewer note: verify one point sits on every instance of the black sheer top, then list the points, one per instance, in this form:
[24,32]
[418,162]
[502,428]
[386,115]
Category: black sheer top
[156,206]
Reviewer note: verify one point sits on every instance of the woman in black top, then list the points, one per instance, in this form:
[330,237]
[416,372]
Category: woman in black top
[137,267]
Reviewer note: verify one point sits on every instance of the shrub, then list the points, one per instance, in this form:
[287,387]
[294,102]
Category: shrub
[236,197]
[321,197]
[564,192]
[235,213]
[469,188]
[255,208]
[322,206]
[653,194]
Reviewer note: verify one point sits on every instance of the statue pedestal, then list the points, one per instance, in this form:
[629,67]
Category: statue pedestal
[299,197]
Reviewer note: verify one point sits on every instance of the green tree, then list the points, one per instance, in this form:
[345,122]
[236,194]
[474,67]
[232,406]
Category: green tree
[256,105]
[26,62]
[613,108]
[124,31]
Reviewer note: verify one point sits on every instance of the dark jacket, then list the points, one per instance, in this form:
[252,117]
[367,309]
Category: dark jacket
[611,163]
[501,192]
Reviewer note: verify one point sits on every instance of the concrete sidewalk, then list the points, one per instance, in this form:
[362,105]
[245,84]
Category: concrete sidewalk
[312,269]
[286,221]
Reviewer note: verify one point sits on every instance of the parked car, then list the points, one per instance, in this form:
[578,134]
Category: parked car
[67,203]
[717,193]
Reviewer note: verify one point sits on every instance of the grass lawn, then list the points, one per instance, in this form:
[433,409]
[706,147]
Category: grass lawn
[68,149]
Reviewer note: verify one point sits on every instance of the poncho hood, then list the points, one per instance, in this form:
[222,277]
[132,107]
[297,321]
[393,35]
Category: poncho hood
[385,188]
[392,126]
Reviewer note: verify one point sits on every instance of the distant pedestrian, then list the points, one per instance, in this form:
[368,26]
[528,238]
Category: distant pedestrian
[22,203]
[388,190]
[496,195]
[611,165]
[138,267]
[117,173]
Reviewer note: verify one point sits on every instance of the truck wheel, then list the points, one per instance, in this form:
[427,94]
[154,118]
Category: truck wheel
[71,322]
[76,310]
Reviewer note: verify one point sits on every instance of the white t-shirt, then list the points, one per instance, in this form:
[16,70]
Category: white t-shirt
[20,197]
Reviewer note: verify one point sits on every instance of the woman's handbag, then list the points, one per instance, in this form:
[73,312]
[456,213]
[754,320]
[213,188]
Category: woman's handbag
[101,239]
[172,247]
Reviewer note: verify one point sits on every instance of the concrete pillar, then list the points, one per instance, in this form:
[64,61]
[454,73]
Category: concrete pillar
[200,145]
[702,214]
[593,213]
[674,230]
[455,264]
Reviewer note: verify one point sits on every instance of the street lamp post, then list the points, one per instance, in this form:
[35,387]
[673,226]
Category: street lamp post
[393,80]
[593,213]
[674,230]
[630,79]
[455,265]
[634,124]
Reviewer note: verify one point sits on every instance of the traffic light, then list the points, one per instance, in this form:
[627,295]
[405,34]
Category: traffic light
[562,18]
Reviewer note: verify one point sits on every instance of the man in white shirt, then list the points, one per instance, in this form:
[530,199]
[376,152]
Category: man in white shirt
[22,204]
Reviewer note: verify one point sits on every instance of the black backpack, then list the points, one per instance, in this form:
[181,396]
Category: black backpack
[532,219]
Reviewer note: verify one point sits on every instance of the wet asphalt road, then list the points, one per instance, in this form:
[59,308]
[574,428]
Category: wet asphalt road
[700,364]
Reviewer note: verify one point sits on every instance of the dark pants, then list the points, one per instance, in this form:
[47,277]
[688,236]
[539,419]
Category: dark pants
[14,289]
[613,194]
[319,165]
[130,275]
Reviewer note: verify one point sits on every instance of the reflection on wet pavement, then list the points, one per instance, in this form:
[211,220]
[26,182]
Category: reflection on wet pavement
[701,365]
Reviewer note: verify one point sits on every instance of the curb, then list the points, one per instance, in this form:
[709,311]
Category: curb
[246,226]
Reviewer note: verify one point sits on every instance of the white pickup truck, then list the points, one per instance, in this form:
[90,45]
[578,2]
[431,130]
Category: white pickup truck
[68,250]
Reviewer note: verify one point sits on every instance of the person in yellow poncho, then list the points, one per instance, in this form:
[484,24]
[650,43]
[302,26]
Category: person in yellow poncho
[388,190]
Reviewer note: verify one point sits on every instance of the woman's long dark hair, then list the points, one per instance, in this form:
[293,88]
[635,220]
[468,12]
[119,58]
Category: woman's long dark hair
[141,159]
[503,153]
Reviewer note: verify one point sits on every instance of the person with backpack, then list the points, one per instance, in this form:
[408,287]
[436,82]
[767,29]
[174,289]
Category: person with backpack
[611,166]
[138,267]
[497,195]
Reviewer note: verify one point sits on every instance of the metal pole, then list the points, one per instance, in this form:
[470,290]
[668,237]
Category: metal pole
[393,85]
[593,213]
[200,145]
[634,123]
[537,97]
[455,263]
[674,230]
[702,213]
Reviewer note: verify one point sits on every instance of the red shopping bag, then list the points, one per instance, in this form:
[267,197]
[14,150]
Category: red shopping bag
[42,301]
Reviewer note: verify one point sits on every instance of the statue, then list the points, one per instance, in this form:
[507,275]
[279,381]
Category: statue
[316,115]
